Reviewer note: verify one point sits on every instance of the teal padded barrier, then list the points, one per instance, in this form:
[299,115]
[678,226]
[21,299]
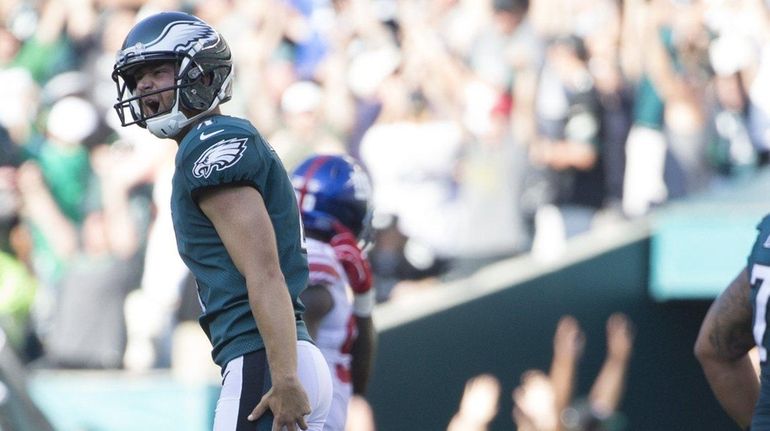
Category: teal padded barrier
[114,401]
[696,253]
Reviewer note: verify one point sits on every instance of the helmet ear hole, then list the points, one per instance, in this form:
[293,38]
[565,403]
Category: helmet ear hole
[194,73]
[202,87]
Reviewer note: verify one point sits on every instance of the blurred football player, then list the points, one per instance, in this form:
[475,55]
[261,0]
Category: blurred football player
[736,325]
[334,194]
[236,221]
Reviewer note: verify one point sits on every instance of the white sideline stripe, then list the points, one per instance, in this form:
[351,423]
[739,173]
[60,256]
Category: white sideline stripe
[504,274]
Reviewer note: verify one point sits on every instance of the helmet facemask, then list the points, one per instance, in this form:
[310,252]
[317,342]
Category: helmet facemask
[203,74]
[193,92]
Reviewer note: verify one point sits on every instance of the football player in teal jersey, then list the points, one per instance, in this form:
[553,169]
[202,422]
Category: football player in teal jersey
[236,221]
[734,326]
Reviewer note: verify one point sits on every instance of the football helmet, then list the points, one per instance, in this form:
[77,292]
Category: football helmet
[334,190]
[204,70]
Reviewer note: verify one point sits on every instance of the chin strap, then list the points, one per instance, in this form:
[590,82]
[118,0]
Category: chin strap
[178,121]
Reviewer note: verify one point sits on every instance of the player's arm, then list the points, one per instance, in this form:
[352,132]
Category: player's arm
[722,348]
[318,302]
[359,275]
[568,344]
[609,386]
[241,220]
[363,351]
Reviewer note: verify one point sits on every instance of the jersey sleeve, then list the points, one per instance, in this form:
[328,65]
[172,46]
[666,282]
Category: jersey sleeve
[228,158]
[764,224]
[324,270]
[760,251]
[763,229]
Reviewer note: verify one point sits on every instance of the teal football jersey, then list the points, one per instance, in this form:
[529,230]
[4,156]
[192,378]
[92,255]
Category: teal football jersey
[759,276]
[220,151]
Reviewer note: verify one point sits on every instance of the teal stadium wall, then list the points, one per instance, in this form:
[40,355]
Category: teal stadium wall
[664,273]
[423,364]
[699,244]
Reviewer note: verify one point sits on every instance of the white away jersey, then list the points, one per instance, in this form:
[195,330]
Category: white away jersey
[336,331]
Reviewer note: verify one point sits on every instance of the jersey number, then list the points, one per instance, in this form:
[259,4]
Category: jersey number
[343,372]
[302,239]
[762,273]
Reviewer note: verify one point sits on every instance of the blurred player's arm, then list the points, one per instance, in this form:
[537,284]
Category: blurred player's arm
[318,302]
[363,351]
[609,386]
[722,348]
[360,415]
[39,207]
[568,344]
[359,274]
[479,404]
[534,403]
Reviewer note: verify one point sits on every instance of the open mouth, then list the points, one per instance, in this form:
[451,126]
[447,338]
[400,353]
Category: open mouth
[151,106]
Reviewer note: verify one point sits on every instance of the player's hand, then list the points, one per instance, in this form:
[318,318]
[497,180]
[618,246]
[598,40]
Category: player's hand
[353,259]
[569,340]
[480,400]
[620,336]
[534,403]
[289,404]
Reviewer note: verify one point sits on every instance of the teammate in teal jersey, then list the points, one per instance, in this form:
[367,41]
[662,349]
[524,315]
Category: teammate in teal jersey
[236,221]
[736,323]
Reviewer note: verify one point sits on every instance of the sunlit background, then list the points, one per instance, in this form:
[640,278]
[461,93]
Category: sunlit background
[509,142]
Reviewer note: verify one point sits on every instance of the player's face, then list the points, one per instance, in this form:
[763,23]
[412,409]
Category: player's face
[151,78]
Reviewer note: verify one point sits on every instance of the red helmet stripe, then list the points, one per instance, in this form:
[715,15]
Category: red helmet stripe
[311,170]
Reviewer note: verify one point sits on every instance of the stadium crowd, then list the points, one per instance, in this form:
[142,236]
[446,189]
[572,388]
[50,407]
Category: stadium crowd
[490,128]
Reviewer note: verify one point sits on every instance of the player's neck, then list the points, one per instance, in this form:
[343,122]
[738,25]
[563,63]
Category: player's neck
[183,133]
